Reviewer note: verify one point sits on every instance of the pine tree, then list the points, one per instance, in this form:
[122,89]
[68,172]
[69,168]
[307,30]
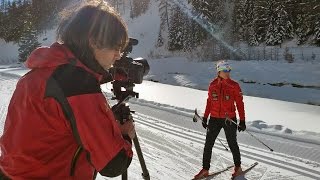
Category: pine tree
[213,11]
[139,7]
[164,7]
[280,27]
[271,23]
[317,32]
[248,23]
[302,28]
[262,19]
[284,25]
[239,19]
[45,12]
[198,34]
[3,5]
[28,41]
[188,43]
[315,16]
[14,22]
[14,15]
[160,40]
[176,30]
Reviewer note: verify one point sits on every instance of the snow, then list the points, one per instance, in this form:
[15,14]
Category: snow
[8,52]
[259,73]
[144,28]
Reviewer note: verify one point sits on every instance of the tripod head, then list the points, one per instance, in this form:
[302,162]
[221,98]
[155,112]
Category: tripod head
[122,110]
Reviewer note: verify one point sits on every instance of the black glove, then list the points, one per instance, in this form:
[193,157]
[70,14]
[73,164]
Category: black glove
[242,126]
[121,112]
[204,122]
[116,112]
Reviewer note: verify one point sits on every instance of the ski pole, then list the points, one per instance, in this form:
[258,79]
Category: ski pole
[223,144]
[228,119]
[195,119]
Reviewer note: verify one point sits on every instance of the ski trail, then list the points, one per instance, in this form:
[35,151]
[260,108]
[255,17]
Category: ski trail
[7,86]
[273,160]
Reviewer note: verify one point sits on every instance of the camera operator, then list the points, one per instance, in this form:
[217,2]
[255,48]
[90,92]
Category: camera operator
[59,125]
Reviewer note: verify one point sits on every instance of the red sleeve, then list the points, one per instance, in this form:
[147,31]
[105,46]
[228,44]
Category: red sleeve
[98,129]
[239,102]
[208,105]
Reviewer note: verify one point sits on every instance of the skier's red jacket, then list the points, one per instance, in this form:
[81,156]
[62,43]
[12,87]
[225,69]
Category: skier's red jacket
[38,142]
[223,94]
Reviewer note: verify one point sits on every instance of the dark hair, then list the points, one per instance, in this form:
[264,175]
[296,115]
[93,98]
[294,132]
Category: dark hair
[94,22]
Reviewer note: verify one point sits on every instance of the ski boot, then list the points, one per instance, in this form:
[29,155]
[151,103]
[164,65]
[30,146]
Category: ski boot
[203,173]
[236,171]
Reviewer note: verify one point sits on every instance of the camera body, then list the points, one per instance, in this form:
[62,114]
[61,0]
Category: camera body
[126,72]
[128,69]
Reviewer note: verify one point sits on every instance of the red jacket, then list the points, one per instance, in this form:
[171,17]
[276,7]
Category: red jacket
[222,96]
[38,142]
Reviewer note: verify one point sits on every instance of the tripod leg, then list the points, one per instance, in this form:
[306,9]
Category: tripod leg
[145,173]
[125,175]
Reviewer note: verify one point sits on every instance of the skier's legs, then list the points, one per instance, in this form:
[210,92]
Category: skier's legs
[230,130]
[213,130]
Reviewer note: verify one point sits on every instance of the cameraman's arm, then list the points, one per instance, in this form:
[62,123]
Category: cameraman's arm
[100,134]
[121,162]
[117,165]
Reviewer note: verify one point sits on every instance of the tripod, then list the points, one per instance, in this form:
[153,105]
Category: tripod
[124,113]
[145,173]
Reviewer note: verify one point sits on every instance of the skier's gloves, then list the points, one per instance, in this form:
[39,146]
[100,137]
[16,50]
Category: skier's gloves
[242,126]
[204,122]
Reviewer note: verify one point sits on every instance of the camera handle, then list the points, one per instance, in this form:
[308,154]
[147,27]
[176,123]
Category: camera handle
[145,172]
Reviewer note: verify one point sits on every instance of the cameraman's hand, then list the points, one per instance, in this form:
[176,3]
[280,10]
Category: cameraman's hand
[128,128]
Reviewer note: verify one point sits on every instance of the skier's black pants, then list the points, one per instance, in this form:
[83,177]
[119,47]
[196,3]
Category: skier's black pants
[230,129]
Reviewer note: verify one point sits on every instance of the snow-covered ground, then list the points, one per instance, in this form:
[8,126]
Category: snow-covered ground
[257,78]
[172,144]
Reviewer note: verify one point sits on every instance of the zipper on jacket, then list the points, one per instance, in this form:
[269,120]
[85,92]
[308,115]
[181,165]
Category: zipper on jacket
[220,98]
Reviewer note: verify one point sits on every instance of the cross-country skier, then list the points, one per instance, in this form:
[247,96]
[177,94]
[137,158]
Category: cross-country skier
[223,95]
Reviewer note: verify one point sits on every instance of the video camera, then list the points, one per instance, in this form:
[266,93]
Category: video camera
[127,72]
[135,69]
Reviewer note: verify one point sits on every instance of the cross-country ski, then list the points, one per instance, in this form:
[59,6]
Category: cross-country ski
[216,173]
[245,171]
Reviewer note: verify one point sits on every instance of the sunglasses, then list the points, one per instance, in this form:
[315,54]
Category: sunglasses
[226,70]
